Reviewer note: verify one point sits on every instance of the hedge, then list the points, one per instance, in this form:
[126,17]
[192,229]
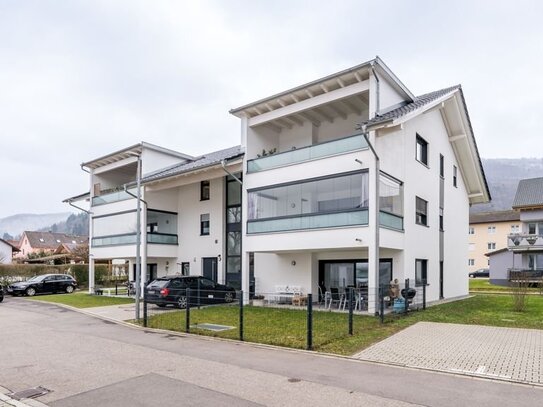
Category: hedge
[16,272]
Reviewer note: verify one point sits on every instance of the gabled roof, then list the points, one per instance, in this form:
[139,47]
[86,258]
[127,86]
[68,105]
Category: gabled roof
[199,163]
[529,194]
[324,85]
[494,216]
[451,102]
[132,151]
[13,246]
[418,103]
[50,241]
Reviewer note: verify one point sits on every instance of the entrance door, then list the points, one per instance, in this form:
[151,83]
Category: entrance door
[209,265]
[151,273]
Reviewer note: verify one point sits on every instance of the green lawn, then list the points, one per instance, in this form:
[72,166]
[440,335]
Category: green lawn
[82,300]
[483,284]
[286,327]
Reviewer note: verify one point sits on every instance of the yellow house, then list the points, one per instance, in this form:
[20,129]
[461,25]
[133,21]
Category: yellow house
[488,231]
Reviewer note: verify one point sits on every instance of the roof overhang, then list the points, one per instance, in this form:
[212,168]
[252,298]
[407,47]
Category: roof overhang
[78,198]
[337,95]
[132,151]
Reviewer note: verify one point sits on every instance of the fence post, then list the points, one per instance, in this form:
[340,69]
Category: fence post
[198,294]
[241,315]
[351,292]
[187,311]
[406,301]
[116,289]
[145,308]
[309,321]
[382,303]
[424,295]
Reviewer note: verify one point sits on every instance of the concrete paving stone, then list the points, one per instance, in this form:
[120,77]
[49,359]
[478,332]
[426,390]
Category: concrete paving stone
[493,352]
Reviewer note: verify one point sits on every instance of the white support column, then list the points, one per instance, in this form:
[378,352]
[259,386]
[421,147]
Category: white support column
[245,276]
[91,275]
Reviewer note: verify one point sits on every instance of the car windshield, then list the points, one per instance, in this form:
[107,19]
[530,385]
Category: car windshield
[35,279]
[158,283]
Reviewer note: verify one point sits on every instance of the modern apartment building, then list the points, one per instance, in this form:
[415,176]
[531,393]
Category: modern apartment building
[190,217]
[488,231]
[352,179]
[344,181]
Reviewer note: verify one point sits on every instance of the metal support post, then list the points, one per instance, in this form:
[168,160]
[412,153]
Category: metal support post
[351,297]
[241,315]
[309,321]
[382,303]
[187,311]
[406,288]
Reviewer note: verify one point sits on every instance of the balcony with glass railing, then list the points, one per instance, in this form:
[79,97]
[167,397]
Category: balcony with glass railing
[111,196]
[313,152]
[524,242]
[130,239]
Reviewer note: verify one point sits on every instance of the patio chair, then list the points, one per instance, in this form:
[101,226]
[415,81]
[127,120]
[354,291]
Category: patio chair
[335,297]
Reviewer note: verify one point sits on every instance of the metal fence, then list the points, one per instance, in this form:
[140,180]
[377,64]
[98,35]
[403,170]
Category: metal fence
[288,319]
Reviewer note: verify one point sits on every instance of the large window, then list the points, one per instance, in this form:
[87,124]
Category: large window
[422,150]
[421,271]
[421,214]
[390,195]
[310,201]
[233,231]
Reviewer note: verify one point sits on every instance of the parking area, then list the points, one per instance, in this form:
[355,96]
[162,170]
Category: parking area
[492,352]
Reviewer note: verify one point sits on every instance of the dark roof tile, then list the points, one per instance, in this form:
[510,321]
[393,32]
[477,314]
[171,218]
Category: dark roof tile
[529,193]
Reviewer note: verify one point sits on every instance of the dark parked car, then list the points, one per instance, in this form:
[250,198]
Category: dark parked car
[172,290]
[1,293]
[47,283]
[479,273]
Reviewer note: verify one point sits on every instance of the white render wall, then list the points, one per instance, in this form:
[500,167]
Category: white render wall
[5,253]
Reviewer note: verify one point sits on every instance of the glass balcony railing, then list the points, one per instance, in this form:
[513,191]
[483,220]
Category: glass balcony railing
[359,217]
[390,220]
[328,148]
[161,238]
[130,239]
[112,197]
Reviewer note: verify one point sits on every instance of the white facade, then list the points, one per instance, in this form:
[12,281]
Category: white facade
[6,252]
[171,215]
[291,131]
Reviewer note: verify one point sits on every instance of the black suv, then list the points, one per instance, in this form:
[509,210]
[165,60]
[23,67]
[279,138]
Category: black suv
[172,290]
[47,283]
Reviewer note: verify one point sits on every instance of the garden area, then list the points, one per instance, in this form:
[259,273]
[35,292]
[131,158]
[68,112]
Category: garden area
[83,300]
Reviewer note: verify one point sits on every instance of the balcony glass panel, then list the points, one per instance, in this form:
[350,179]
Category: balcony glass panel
[161,238]
[390,220]
[328,148]
[114,240]
[112,197]
[161,222]
[115,225]
[317,221]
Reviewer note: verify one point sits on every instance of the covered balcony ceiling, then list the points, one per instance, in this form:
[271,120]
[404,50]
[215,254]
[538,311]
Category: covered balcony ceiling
[317,102]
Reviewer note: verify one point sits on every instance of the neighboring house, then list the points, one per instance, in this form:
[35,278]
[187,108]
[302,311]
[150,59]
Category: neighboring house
[488,231]
[7,250]
[314,191]
[527,245]
[191,217]
[45,242]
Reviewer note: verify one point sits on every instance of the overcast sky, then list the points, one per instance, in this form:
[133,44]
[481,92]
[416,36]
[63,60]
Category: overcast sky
[79,79]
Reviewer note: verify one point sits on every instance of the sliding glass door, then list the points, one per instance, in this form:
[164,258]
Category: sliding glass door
[351,273]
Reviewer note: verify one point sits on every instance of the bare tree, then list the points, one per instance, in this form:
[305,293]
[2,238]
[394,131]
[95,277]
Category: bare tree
[520,282]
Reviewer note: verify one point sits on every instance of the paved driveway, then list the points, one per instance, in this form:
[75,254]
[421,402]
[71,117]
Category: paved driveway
[501,353]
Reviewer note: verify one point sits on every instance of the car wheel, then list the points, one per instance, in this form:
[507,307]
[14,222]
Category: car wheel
[69,289]
[30,291]
[182,302]
[471,276]
[228,297]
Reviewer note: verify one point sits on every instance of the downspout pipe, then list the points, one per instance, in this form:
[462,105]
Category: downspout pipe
[77,207]
[376,220]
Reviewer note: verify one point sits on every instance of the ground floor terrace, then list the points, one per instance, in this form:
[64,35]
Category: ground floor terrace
[332,276]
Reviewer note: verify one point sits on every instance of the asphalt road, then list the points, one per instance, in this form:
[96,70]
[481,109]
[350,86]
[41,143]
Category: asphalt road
[86,361]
